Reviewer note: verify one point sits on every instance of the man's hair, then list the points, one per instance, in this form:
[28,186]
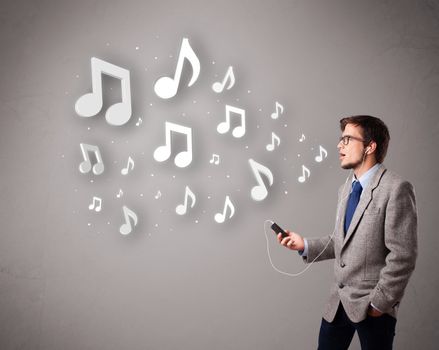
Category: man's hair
[373,129]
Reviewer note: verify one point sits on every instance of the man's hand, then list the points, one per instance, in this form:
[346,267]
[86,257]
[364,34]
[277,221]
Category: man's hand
[293,241]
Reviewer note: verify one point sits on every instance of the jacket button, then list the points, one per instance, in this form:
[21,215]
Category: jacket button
[342,264]
[340,285]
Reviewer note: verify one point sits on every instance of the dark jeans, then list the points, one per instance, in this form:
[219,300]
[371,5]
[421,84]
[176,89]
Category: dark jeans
[375,333]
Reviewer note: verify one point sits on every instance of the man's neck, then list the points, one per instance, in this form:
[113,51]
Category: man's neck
[364,167]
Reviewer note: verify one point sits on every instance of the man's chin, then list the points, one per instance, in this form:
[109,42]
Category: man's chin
[347,166]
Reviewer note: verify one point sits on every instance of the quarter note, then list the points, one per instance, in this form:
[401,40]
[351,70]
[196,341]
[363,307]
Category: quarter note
[167,87]
[181,209]
[302,138]
[320,157]
[96,204]
[279,108]
[90,104]
[219,87]
[270,147]
[224,127]
[215,159]
[305,174]
[220,218]
[260,192]
[127,228]
[85,166]
[182,159]
[130,164]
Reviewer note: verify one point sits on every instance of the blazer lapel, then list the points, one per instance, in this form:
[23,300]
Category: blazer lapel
[365,199]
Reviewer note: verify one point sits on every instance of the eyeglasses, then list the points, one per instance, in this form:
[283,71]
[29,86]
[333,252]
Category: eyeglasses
[345,139]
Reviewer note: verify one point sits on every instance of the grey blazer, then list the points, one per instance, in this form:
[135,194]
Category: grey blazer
[373,263]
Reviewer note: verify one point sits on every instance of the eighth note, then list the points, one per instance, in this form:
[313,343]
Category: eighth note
[215,159]
[280,108]
[320,157]
[260,192]
[219,87]
[90,104]
[238,131]
[305,173]
[270,147]
[167,87]
[302,138]
[139,122]
[158,195]
[126,170]
[96,204]
[182,208]
[182,159]
[120,194]
[85,166]
[220,218]
[126,228]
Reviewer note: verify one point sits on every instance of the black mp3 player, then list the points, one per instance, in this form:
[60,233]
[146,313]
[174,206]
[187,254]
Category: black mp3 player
[276,228]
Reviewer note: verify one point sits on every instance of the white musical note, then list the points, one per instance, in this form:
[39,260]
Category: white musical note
[167,87]
[127,228]
[119,194]
[181,209]
[305,173]
[260,192]
[224,127]
[85,166]
[130,164]
[320,157]
[302,138]
[96,204]
[270,147]
[280,108]
[90,104]
[220,218]
[182,159]
[219,87]
[215,159]
[139,122]
[158,195]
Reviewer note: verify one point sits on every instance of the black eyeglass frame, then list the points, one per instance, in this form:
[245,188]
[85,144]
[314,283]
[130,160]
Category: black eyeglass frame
[347,138]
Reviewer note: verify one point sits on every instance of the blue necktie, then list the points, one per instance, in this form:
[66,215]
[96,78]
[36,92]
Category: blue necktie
[353,200]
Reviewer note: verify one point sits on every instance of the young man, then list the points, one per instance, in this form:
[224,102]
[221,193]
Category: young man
[374,243]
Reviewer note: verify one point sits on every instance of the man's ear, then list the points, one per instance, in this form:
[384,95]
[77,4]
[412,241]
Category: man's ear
[371,148]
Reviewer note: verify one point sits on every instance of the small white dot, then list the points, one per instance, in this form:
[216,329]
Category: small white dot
[285,125]
[194,101]
[170,56]
[108,44]
[286,192]
[156,225]
[62,155]
[137,47]
[89,224]
[108,222]
[76,190]
[249,91]
[237,100]
[150,104]
[173,176]
[213,62]
[298,155]
[196,221]
[112,141]
[228,176]
[257,126]
[88,128]
[246,147]
[208,197]
[146,69]
[208,112]
[141,195]
[260,109]
[183,114]
[77,75]
[152,175]
[91,181]
[156,58]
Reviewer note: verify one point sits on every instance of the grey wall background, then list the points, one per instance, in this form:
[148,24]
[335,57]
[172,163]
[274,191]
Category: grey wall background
[69,280]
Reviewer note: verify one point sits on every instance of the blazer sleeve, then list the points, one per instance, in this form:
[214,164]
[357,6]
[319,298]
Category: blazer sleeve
[400,238]
[316,246]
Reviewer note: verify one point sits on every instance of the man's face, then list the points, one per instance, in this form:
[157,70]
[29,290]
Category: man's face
[352,154]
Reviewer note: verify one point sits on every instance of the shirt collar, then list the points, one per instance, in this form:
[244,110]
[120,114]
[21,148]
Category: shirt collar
[367,176]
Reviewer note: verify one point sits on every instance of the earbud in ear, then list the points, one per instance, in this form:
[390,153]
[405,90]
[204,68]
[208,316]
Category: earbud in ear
[366,150]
